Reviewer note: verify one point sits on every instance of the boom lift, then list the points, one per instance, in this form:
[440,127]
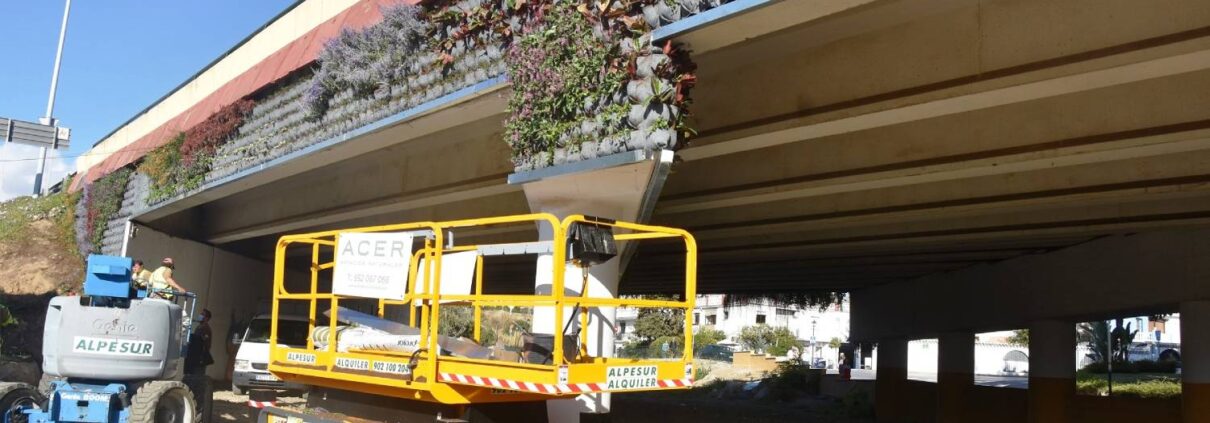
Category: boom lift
[114,356]
[400,350]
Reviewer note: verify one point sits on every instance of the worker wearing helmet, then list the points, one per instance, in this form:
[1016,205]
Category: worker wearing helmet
[161,279]
[140,275]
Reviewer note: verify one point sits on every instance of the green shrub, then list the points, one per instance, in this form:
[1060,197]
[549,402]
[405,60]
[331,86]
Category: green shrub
[1151,366]
[1137,386]
[701,370]
[770,340]
[707,336]
[1149,389]
[1088,383]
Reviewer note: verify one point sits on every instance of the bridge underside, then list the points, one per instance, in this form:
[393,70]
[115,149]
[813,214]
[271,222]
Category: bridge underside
[959,166]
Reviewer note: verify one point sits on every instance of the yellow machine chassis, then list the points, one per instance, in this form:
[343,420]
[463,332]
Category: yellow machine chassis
[459,380]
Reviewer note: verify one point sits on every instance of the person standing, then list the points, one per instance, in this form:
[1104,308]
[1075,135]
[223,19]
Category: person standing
[161,279]
[197,357]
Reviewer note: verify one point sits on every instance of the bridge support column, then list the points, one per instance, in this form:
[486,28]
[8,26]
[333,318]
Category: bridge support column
[1195,361]
[1052,371]
[621,187]
[955,376]
[890,401]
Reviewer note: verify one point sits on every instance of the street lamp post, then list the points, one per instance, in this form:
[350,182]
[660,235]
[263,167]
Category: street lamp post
[50,103]
[813,347]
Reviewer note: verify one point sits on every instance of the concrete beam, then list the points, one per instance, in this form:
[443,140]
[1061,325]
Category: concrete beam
[347,212]
[1009,163]
[1140,273]
[986,94]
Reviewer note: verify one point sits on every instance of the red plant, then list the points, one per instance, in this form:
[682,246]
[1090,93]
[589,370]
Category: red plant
[206,136]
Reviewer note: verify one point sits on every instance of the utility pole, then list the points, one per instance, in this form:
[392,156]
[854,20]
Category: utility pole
[50,103]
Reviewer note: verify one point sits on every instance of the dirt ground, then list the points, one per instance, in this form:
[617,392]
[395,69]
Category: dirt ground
[672,407]
[229,407]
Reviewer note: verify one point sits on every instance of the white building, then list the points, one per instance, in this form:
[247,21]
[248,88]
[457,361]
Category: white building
[808,324]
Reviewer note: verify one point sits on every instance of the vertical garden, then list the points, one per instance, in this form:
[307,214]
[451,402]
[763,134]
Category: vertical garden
[586,80]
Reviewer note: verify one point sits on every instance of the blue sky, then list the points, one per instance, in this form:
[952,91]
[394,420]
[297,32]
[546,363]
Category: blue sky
[120,56]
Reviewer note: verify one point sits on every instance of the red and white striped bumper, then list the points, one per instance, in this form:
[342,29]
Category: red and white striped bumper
[542,388]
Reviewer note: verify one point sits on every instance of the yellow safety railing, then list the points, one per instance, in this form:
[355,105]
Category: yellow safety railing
[424,298]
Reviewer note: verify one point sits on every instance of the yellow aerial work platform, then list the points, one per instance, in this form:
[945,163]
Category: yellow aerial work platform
[428,375]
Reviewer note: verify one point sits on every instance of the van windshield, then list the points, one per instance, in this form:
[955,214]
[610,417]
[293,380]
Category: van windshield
[289,332]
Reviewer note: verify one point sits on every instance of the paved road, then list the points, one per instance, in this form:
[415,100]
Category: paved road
[1019,382]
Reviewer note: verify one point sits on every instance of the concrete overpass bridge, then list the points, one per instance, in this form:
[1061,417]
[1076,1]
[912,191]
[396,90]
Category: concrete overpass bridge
[959,166]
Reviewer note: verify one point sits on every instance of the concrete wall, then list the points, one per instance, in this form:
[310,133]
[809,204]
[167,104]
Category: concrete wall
[233,287]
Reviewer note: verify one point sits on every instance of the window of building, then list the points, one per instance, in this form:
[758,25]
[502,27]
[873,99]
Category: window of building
[726,315]
[696,318]
[760,319]
[712,319]
[622,328]
[785,312]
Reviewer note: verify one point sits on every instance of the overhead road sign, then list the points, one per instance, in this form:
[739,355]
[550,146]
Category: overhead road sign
[37,134]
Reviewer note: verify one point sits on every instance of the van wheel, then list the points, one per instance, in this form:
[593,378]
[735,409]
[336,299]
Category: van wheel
[236,390]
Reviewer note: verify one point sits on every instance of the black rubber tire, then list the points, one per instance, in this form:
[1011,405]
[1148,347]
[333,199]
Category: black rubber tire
[15,396]
[237,390]
[203,395]
[163,401]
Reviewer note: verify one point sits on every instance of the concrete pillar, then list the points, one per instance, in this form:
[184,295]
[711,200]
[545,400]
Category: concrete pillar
[1052,371]
[622,187]
[1195,361]
[955,375]
[890,402]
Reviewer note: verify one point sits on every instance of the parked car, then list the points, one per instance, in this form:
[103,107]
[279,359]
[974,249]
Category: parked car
[715,352]
[252,358]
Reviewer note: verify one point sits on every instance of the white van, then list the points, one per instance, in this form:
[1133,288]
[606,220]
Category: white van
[252,359]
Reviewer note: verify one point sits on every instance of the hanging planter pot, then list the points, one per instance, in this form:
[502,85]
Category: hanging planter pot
[598,32]
[651,15]
[573,154]
[619,97]
[589,150]
[690,7]
[655,112]
[590,104]
[636,116]
[627,46]
[639,91]
[669,13]
[638,141]
[645,66]
[660,138]
[589,129]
